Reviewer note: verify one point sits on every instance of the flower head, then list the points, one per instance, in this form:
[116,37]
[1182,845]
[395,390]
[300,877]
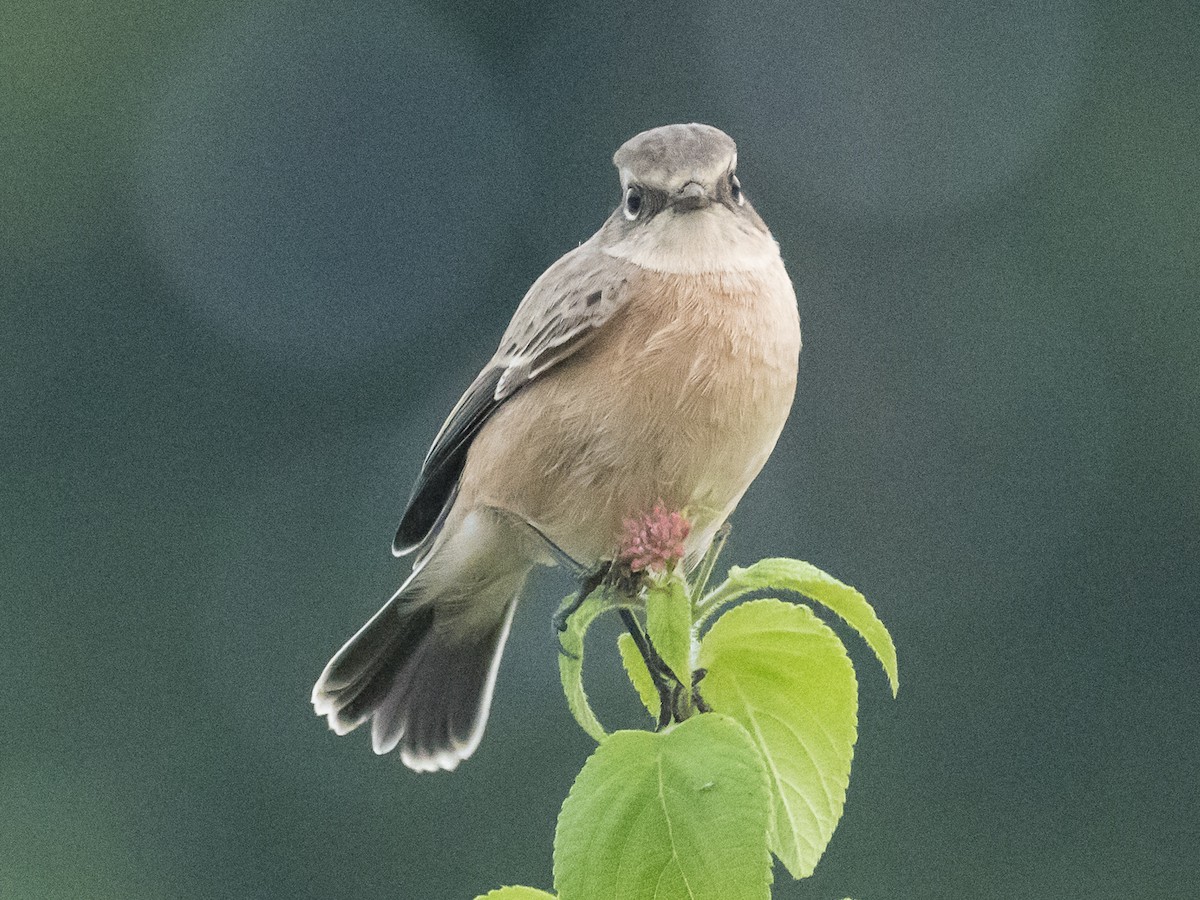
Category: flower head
[654,541]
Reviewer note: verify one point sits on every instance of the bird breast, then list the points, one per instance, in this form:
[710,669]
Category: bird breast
[680,398]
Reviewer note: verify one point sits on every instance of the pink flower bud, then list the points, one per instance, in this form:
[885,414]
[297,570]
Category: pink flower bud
[654,541]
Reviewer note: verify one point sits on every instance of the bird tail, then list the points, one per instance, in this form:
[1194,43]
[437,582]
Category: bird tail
[423,671]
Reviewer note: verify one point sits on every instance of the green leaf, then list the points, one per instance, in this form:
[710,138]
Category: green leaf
[639,675]
[669,624]
[570,662]
[678,815]
[785,677]
[517,892]
[809,581]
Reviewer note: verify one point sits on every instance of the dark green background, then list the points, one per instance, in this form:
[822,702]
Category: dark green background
[249,257]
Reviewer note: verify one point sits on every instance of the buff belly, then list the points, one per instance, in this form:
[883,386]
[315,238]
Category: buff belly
[578,454]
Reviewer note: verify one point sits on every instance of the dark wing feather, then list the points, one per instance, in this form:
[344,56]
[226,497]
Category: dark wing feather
[434,490]
[561,312]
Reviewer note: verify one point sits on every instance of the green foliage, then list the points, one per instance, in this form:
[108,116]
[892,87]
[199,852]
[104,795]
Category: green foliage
[679,814]
[808,581]
[785,677]
[570,663]
[516,893]
[755,754]
[669,623]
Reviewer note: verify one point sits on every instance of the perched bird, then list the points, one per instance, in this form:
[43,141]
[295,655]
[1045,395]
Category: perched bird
[654,364]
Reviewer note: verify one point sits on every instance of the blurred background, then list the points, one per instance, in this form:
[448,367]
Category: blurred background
[250,254]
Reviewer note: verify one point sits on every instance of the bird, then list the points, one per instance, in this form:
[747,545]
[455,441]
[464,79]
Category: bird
[653,365]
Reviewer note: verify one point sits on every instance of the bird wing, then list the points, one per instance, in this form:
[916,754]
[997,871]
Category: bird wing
[563,310]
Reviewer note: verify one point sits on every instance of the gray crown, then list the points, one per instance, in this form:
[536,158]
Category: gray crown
[667,158]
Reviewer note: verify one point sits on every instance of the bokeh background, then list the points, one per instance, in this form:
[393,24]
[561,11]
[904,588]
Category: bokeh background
[250,254]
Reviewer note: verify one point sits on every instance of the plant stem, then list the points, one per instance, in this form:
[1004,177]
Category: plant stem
[709,563]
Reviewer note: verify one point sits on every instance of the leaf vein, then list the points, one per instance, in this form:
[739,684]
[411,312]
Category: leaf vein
[662,799]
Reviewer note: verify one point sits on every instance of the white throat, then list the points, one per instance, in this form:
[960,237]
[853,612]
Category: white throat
[704,240]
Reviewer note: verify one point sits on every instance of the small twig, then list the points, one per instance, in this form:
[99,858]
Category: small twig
[709,563]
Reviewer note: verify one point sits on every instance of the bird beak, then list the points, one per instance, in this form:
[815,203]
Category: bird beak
[692,196]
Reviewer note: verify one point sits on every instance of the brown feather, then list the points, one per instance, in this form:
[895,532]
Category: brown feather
[680,398]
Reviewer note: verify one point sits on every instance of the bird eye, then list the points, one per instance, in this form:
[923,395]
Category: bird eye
[735,188]
[633,203]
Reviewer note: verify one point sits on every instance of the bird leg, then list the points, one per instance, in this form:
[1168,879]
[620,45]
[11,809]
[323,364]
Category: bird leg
[589,583]
[671,693]
[664,679]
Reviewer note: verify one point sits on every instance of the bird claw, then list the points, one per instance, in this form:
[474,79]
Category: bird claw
[698,701]
[558,622]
